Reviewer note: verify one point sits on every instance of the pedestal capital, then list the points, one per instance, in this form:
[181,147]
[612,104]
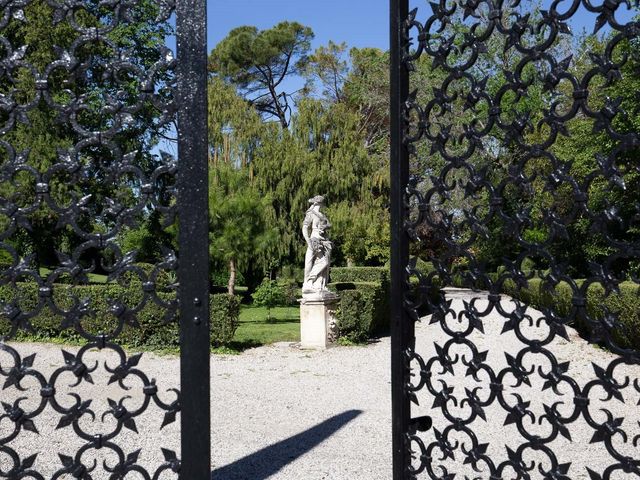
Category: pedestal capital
[324,297]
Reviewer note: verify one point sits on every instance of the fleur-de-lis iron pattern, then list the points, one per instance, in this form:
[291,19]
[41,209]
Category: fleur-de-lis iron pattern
[126,88]
[453,122]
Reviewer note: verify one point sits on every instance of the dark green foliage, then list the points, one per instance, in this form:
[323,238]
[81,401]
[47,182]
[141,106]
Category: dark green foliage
[424,267]
[224,314]
[355,316]
[257,62]
[148,239]
[270,294]
[219,275]
[625,305]
[47,140]
[6,260]
[165,280]
[428,272]
[360,274]
[290,278]
[292,291]
[363,311]
[238,231]
[149,330]
[292,274]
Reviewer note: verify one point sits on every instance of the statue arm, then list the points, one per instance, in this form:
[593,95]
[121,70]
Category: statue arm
[305,229]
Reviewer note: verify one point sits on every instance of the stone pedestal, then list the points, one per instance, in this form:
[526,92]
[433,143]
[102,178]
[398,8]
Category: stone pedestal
[317,320]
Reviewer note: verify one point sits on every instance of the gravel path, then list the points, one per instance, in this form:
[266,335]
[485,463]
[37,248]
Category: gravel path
[277,412]
[282,413]
[498,430]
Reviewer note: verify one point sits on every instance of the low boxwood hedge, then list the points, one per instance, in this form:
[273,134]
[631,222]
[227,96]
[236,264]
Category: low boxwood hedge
[363,310]
[624,305]
[224,314]
[152,327]
[360,274]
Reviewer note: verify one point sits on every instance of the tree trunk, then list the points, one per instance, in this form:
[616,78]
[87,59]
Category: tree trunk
[231,287]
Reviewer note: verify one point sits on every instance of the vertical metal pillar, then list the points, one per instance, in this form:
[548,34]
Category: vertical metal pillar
[193,238]
[400,323]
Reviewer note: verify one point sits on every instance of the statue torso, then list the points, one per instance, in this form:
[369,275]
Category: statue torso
[319,224]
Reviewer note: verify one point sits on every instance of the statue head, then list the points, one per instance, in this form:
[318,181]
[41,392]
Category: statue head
[317,200]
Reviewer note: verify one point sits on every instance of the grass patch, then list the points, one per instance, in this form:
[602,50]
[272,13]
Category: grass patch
[93,277]
[254,329]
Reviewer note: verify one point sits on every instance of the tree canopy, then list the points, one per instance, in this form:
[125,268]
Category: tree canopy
[326,148]
[44,140]
[258,62]
[330,137]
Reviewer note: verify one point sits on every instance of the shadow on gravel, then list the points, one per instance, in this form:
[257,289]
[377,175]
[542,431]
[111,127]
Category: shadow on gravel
[264,463]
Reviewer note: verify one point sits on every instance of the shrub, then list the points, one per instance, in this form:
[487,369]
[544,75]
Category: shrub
[291,291]
[152,326]
[360,274]
[527,266]
[224,314]
[373,283]
[355,316]
[6,260]
[625,305]
[270,294]
[363,310]
[424,267]
[165,280]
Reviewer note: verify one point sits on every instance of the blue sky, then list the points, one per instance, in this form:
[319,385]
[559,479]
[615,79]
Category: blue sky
[360,23]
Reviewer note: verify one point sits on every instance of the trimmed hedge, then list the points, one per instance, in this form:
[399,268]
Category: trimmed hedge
[625,305]
[151,327]
[224,315]
[359,274]
[363,311]
[165,280]
[355,316]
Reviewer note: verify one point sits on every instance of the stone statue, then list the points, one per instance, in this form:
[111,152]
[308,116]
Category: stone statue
[318,256]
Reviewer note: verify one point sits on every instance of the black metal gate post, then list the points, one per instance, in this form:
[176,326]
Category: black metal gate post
[514,219]
[103,86]
[193,239]
[401,326]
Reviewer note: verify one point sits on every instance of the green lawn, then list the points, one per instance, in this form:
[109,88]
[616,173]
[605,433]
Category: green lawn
[254,329]
[93,277]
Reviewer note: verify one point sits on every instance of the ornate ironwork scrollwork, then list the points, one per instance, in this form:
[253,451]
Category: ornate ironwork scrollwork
[509,387]
[107,89]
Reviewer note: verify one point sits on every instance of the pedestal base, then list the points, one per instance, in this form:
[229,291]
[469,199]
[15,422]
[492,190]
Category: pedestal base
[317,320]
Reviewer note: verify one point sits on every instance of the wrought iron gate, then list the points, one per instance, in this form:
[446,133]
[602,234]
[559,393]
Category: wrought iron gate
[490,377]
[85,88]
